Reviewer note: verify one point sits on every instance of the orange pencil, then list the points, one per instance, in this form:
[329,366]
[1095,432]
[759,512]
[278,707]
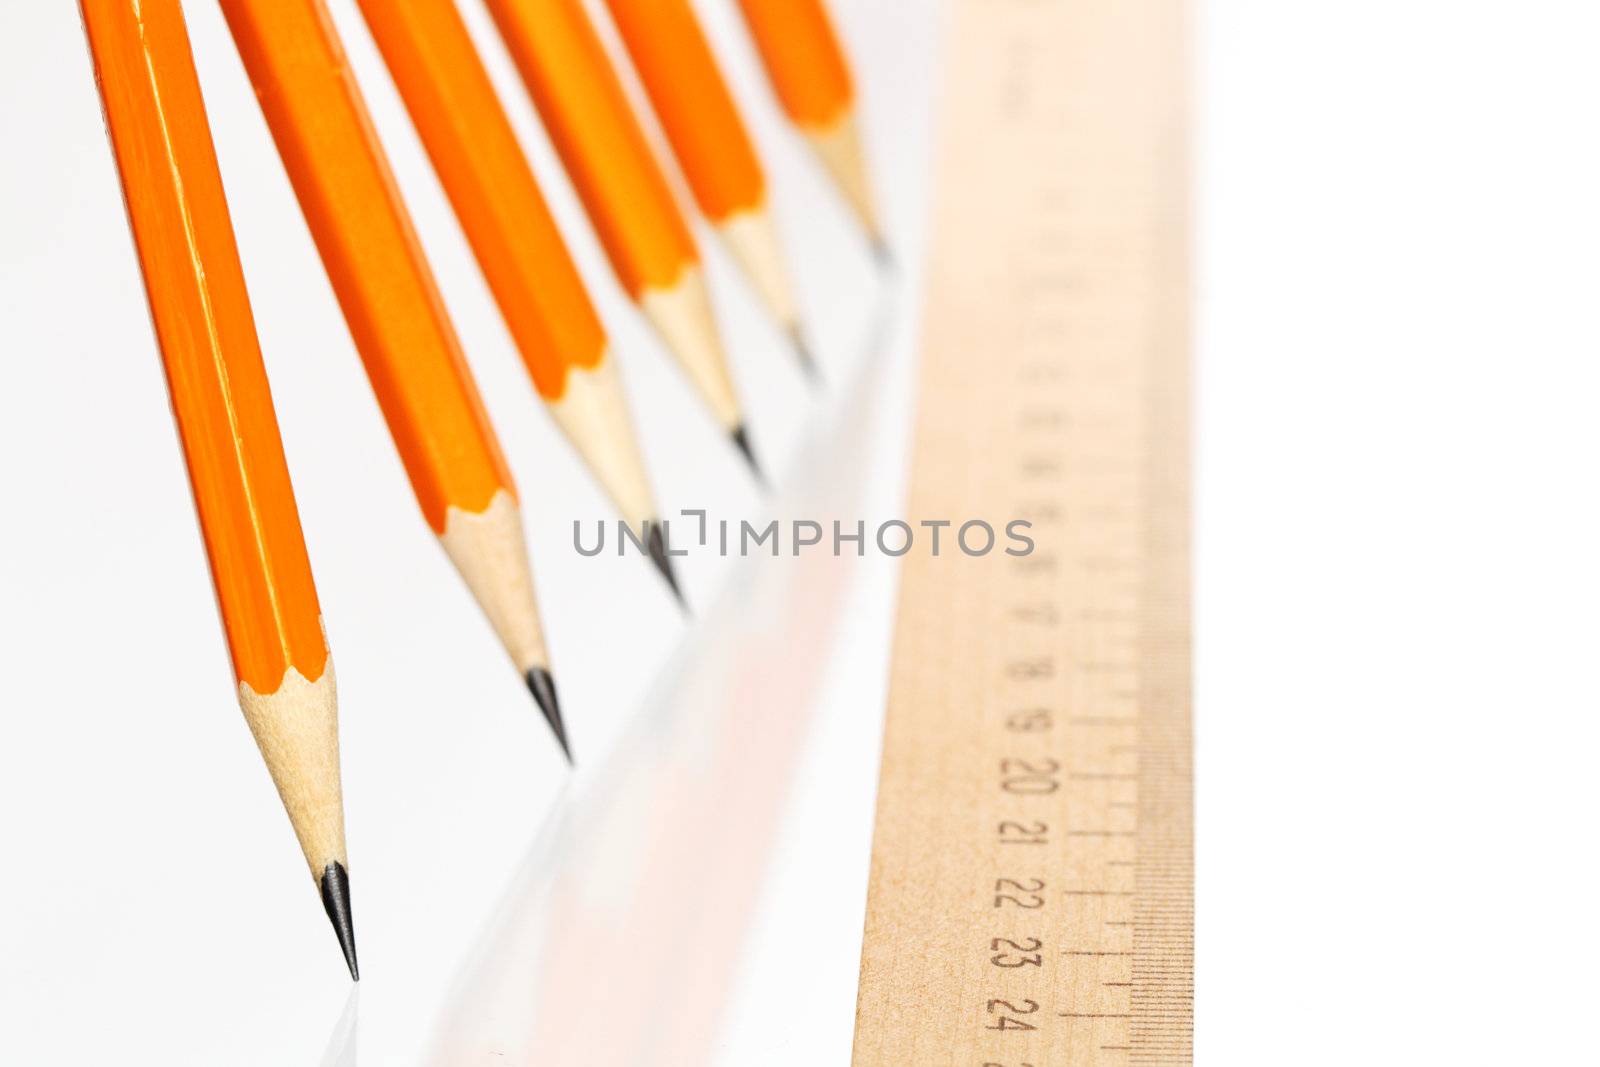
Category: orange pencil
[541,296]
[226,424]
[811,77]
[395,314]
[645,235]
[709,139]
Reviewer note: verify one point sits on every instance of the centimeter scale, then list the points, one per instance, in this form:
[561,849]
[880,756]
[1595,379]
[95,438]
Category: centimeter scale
[1031,899]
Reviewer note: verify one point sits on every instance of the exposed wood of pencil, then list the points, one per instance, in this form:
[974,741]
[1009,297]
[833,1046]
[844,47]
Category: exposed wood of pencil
[708,138]
[811,77]
[682,313]
[753,238]
[229,432]
[622,187]
[593,413]
[494,193]
[391,303]
[489,550]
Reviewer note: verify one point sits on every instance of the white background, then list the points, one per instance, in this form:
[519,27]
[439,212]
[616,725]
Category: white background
[1398,262]
[1397,531]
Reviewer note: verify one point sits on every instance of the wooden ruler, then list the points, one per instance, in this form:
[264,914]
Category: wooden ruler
[1031,900]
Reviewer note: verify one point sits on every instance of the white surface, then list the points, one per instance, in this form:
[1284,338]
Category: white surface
[1397,526]
[120,807]
[1400,250]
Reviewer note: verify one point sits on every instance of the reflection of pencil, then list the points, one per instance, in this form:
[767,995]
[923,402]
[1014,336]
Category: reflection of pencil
[710,142]
[396,315]
[476,154]
[626,195]
[223,408]
[809,73]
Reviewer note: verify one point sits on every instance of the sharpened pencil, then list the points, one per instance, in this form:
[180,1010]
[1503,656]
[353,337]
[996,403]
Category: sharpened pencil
[712,146]
[623,189]
[396,316]
[226,424]
[809,73]
[494,193]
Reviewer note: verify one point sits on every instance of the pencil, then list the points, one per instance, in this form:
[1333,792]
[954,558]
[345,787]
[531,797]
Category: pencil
[711,144]
[544,303]
[623,189]
[396,316]
[809,74]
[226,425]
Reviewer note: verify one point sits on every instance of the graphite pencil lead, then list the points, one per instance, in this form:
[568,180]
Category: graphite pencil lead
[808,361]
[882,254]
[656,545]
[335,887]
[543,688]
[741,441]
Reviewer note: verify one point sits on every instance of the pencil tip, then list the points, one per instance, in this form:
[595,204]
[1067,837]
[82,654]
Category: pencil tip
[882,253]
[335,887]
[808,362]
[543,688]
[741,441]
[656,545]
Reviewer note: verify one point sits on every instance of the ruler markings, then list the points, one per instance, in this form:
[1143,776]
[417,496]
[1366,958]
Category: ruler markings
[1032,861]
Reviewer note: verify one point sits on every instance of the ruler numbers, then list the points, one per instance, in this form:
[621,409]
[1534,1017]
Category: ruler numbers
[1065,753]
[1030,896]
[1021,888]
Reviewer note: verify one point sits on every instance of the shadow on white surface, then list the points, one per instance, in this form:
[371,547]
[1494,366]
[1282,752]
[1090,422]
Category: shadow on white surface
[342,1043]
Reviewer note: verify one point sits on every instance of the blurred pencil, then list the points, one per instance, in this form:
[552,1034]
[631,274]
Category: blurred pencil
[711,144]
[497,200]
[622,187]
[229,433]
[396,315]
[809,74]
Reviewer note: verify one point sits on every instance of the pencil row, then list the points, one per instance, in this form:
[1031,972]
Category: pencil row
[341,178]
